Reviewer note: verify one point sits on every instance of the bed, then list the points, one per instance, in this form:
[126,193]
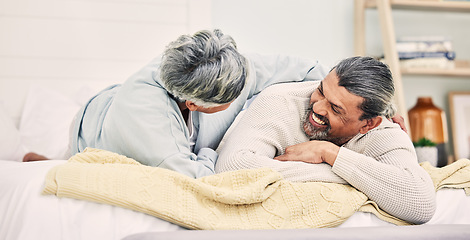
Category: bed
[26,213]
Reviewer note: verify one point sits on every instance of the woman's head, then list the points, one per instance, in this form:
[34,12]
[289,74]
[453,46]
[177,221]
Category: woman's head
[204,68]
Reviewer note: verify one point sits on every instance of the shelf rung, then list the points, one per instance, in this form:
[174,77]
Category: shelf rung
[453,6]
[455,72]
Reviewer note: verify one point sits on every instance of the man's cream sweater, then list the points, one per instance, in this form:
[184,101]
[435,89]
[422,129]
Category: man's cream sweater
[381,163]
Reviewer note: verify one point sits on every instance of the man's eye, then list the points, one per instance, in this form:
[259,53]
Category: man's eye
[335,110]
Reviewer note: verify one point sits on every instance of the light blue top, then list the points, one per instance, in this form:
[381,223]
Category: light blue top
[140,120]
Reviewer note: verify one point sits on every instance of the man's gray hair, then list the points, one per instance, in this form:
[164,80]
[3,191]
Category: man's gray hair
[205,68]
[371,79]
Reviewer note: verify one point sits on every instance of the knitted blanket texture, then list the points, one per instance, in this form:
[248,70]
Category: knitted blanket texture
[243,199]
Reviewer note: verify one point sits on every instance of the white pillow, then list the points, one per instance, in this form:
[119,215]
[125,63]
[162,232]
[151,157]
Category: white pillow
[10,140]
[45,122]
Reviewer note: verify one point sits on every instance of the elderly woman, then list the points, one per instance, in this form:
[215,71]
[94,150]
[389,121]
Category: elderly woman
[174,111]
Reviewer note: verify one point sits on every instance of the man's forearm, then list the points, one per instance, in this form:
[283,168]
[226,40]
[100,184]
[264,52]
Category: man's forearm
[404,190]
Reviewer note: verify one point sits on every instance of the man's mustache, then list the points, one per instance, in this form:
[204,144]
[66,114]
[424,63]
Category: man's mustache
[322,118]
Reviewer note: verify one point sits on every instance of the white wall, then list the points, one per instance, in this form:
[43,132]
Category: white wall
[311,28]
[68,43]
[65,44]
[324,30]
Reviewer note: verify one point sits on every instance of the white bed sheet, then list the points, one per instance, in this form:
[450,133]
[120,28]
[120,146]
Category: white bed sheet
[26,214]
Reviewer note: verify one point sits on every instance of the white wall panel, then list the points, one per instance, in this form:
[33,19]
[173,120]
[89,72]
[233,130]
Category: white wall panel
[84,39]
[68,69]
[66,44]
[139,11]
[199,15]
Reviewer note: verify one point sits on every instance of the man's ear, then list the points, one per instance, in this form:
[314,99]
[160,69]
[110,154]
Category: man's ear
[371,124]
[191,106]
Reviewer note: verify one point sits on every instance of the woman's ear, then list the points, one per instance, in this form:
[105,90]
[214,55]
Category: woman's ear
[191,106]
[371,124]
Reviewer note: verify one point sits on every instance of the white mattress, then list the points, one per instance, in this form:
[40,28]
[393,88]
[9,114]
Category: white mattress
[26,214]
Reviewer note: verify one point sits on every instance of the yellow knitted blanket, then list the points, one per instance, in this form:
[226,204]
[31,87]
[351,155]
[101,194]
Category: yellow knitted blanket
[244,199]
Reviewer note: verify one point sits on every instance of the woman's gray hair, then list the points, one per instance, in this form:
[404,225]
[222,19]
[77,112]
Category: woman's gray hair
[370,79]
[205,68]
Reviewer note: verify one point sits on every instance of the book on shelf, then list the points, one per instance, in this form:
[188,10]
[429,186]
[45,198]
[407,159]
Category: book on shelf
[424,44]
[411,55]
[439,63]
[425,52]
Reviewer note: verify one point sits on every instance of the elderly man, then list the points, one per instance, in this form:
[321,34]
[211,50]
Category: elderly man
[340,133]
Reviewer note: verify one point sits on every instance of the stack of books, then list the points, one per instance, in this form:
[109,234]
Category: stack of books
[425,52]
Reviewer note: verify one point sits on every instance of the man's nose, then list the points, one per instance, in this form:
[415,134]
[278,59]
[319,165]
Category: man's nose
[320,107]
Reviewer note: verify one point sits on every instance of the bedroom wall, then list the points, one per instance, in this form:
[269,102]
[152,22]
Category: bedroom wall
[311,28]
[68,44]
[324,30]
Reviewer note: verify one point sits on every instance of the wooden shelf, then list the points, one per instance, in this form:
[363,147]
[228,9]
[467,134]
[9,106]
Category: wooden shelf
[384,8]
[433,5]
[462,69]
[456,72]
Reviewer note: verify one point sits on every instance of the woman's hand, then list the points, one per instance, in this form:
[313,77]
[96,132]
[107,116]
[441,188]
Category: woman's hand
[398,119]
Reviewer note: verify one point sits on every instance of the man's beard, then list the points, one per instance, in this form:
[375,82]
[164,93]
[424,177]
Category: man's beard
[312,132]
[323,134]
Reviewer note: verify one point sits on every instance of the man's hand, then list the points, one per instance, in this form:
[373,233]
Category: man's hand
[311,152]
[398,119]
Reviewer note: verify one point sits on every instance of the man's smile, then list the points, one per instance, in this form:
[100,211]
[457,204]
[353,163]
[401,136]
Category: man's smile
[316,120]
[315,126]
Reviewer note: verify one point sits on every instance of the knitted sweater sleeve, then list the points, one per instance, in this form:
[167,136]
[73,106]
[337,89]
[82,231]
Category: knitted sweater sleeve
[268,126]
[383,165]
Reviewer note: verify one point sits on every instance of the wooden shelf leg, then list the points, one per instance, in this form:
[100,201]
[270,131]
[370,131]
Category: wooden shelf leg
[359,28]
[391,55]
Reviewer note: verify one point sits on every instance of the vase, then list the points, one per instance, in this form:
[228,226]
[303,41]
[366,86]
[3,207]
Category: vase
[429,121]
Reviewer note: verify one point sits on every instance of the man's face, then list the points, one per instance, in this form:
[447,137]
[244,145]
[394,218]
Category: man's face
[334,113]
